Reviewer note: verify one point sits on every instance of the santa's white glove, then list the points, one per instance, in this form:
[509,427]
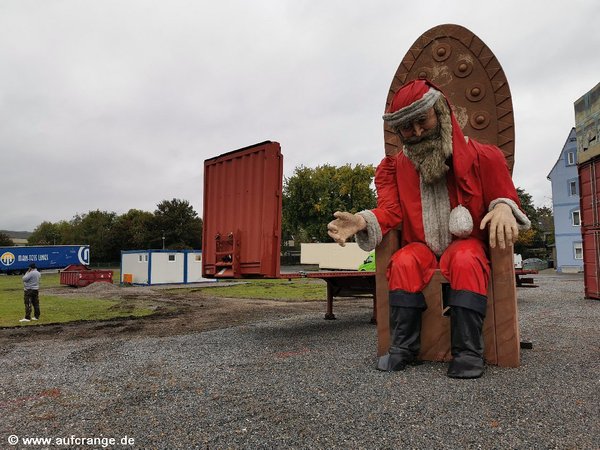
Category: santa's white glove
[503,226]
[345,226]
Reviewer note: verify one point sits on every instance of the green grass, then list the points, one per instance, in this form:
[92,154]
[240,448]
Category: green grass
[55,309]
[10,283]
[296,289]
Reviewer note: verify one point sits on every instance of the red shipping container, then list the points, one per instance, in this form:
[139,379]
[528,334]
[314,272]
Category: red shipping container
[241,234]
[589,198]
[589,193]
[80,276]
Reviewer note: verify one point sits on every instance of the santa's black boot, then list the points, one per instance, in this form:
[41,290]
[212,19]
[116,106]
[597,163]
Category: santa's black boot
[405,328]
[466,321]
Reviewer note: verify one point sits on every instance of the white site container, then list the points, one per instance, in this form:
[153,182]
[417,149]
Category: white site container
[161,267]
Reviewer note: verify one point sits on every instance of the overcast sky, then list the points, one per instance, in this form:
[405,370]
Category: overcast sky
[114,105]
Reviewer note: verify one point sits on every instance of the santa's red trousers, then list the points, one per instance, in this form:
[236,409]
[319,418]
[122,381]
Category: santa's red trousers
[464,264]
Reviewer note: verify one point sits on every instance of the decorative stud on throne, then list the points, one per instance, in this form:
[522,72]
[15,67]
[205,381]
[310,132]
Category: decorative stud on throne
[469,74]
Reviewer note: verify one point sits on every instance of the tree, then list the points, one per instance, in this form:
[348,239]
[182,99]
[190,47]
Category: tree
[311,196]
[66,233]
[525,240]
[180,225]
[534,242]
[46,233]
[527,206]
[546,221]
[5,240]
[107,233]
[133,230]
[95,228]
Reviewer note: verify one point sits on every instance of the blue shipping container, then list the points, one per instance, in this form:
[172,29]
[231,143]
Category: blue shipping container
[17,259]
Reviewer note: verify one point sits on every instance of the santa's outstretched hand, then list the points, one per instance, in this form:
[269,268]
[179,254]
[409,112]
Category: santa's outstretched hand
[344,226]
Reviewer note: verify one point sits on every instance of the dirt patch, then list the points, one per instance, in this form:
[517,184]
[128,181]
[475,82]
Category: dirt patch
[177,311]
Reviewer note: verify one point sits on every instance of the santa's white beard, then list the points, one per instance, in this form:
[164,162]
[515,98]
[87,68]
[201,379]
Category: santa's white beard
[430,151]
[428,157]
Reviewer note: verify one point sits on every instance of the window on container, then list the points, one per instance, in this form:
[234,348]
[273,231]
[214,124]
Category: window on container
[140,258]
[146,257]
[572,187]
[570,158]
[575,218]
[198,257]
[578,250]
[171,258]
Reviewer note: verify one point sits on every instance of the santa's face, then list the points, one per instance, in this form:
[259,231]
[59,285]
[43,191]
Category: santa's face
[424,146]
[423,127]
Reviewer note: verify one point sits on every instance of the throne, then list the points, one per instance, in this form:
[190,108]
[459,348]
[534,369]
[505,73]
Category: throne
[469,74]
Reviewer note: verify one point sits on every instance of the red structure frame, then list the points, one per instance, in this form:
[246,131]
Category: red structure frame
[242,213]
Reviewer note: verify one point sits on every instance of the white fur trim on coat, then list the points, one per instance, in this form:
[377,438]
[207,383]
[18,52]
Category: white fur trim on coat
[435,205]
[461,222]
[523,223]
[369,238]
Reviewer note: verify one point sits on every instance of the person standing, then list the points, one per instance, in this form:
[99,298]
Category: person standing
[31,284]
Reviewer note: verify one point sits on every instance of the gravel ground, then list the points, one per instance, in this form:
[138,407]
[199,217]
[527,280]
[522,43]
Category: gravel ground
[303,382]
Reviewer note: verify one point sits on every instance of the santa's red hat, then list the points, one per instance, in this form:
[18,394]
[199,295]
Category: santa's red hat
[410,101]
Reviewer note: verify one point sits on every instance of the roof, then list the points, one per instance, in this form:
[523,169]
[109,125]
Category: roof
[571,133]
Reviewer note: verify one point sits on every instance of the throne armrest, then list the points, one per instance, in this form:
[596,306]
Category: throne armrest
[505,311]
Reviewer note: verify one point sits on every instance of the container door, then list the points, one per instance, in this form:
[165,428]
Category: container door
[591,263]
[589,189]
[242,213]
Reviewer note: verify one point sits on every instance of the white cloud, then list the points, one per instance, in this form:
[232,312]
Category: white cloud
[115,105]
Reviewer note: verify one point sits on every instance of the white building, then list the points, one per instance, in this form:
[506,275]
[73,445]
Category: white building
[161,266]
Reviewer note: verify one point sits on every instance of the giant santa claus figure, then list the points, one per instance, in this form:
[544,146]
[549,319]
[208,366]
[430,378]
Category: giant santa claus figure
[451,196]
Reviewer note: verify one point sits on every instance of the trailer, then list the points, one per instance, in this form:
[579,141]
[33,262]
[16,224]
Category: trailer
[16,260]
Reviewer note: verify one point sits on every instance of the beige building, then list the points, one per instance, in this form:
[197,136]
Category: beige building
[333,256]
[587,125]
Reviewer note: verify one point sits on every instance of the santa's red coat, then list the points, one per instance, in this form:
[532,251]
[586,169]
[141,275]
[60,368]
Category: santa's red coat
[478,175]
